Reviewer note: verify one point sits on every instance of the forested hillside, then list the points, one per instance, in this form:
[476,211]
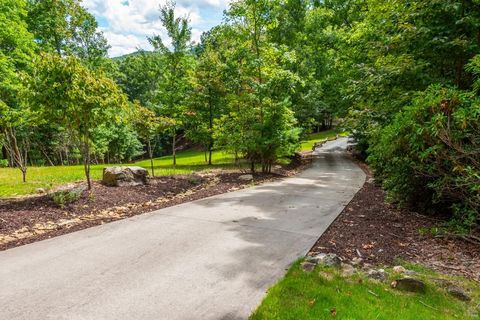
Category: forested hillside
[402,76]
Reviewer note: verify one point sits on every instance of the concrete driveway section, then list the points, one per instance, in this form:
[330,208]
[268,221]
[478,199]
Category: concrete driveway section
[209,259]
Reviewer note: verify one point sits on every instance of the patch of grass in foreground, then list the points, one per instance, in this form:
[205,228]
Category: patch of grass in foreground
[324,294]
[307,145]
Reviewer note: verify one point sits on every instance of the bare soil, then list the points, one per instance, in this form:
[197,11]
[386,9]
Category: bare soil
[381,234]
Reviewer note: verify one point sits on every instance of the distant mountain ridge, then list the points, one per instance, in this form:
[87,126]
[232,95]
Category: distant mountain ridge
[125,56]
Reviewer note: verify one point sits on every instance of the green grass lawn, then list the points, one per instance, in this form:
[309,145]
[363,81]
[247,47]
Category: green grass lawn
[187,162]
[48,177]
[307,145]
[324,294]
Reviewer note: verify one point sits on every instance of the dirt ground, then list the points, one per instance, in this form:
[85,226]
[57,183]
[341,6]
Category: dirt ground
[380,234]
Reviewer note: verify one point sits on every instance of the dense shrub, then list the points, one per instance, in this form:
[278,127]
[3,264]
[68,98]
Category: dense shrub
[3,163]
[430,153]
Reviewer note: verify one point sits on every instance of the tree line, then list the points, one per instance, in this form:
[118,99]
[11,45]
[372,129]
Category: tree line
[243,88]
[403,75]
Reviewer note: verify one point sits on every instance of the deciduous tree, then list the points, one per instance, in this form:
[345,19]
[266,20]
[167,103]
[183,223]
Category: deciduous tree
[67,92]
[173,90]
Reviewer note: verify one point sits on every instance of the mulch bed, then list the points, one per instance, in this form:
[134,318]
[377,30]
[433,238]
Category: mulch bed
[29,219]
[381,234]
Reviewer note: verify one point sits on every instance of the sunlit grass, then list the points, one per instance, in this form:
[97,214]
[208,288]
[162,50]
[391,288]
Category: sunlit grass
[47,177]
[324,294]
[187,162]
[307,145]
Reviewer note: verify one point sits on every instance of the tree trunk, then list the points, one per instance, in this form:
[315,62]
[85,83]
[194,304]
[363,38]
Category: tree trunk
[174,141]
[210,126]
[18,158]
[50,162]
[150,155]
[86,161]
[86,165]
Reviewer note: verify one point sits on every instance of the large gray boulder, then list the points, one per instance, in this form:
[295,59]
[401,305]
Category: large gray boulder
[124,176]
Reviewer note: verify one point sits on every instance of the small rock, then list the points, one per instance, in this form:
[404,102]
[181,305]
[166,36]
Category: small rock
[399,269]
[410,273]
[357,261]
[316,258]
[246,177]
[326,275]
[409,284]
[41,191]
[379,275]
[326,259]
[443,283]
[347,270]
[308,266]
[458,293]
[367,267]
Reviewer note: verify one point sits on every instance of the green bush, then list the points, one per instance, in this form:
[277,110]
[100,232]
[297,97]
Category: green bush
[64,197]
[430,153]
[3,163]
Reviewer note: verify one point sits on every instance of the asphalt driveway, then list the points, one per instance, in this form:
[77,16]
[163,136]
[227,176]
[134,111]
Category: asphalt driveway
[209,259]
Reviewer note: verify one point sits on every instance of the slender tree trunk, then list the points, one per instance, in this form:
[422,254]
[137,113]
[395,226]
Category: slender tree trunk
[47,157]
[174,149]
[18,158]
[86,161]
[210,127]
[150,155]
[460,61]
[86,165]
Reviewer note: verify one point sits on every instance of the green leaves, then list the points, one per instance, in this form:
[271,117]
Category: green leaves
[430,152]
[66,92]
[66,28]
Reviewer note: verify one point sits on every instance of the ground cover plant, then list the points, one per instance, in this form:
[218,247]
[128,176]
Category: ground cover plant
[325,294]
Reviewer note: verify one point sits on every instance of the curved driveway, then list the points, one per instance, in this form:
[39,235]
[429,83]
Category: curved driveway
[209,259]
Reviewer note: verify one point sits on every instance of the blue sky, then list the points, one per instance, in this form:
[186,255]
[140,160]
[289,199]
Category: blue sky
[127,23]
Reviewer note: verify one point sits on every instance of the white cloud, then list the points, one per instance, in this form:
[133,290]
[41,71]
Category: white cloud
[127,23]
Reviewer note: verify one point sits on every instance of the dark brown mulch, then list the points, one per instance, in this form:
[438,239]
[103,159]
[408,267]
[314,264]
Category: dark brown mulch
[381,234]
[31,219]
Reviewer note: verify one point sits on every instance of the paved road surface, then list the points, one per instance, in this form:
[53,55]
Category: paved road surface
[209,259]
